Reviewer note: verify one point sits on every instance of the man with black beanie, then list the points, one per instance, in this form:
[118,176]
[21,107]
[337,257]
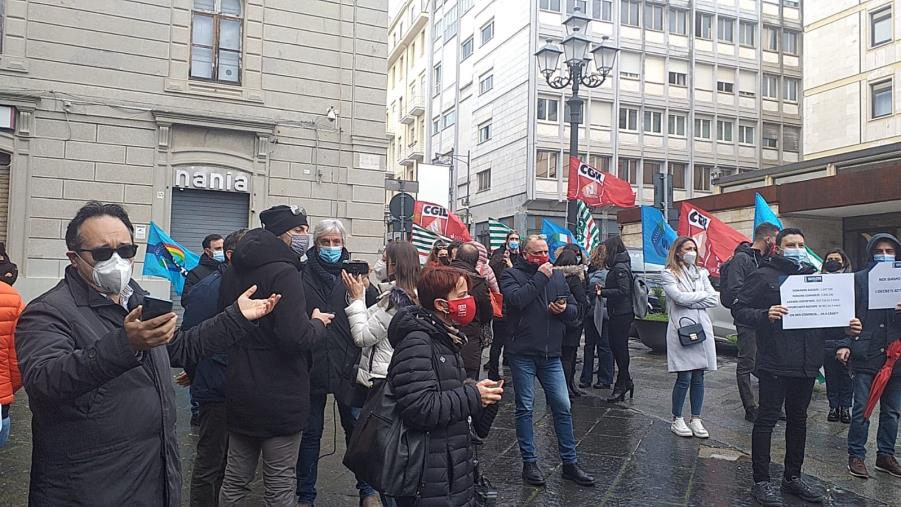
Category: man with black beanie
[268,386]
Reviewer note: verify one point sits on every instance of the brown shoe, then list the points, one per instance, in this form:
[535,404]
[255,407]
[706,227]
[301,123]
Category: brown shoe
[886,463]
[857,468]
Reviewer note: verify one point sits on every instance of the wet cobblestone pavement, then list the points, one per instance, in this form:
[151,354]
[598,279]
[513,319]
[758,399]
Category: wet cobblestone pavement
[627,446]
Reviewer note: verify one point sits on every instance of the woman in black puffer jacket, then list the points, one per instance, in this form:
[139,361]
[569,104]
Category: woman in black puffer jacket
[569,262]
[432,392]
[618,291]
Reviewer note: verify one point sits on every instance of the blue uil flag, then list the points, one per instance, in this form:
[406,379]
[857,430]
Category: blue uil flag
[656,235]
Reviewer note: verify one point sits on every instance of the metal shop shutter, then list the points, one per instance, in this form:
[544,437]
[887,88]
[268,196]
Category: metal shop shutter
[196,213]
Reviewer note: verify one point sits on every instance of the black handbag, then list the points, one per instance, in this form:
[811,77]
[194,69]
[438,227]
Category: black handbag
[382,450]
[691,334]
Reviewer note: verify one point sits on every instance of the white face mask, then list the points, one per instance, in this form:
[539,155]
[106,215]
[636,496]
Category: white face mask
[113,274]
[690,258]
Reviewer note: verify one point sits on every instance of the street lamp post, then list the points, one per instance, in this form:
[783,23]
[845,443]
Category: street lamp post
[576,73]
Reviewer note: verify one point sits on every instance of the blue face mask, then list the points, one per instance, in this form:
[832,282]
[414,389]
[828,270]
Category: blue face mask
[881,257]
[330,254]
[513,245]
[219,255]
[796,255]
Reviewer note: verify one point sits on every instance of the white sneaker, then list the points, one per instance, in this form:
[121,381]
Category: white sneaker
[679,427]
[697,429]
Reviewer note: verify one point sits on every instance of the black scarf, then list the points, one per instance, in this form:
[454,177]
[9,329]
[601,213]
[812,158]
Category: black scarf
[327,272]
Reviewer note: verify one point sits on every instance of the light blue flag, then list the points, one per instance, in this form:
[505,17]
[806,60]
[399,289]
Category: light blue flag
[763,214]
[656,235]
[556,237]
[168,259]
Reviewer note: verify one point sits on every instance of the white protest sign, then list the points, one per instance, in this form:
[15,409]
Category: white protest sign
[885,285]
[816,301]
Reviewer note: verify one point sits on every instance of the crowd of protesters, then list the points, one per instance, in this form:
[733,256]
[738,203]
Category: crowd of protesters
[399,346]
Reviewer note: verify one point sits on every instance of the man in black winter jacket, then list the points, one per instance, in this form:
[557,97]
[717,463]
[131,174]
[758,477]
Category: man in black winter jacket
[539,305]
[864,353]
[213,255]
[788,361]
[466,260]
[268,386]
[501,260]
[336,357]
[746,259]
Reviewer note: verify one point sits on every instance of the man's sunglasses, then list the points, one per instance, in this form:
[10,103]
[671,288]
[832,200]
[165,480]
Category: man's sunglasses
[104,253]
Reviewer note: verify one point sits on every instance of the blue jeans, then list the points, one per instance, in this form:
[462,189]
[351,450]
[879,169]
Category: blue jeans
[549,371]
[308,458]
[4,431]
[692,380]
[597,345]
[889,410]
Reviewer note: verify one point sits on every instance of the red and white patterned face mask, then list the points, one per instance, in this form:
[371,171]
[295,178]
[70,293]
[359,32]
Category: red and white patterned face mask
[462,311]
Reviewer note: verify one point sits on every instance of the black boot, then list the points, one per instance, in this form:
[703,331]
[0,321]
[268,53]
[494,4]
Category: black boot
[833,415]
[572,472]
[532,474]
[844,414]
[620,390]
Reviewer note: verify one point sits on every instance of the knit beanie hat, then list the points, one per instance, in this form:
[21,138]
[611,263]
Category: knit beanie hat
[281,219]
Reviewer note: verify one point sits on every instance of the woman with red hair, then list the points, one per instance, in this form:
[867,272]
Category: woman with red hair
[433,394]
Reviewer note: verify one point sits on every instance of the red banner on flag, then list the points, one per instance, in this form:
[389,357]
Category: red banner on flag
[439,220]
[716,240]
[596,188]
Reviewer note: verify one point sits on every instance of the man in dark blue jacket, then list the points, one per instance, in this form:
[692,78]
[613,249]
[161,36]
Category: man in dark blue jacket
[539,304]
[207,379]
[865,355]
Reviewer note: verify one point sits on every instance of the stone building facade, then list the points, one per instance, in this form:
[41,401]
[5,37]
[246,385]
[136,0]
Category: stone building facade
[194,114]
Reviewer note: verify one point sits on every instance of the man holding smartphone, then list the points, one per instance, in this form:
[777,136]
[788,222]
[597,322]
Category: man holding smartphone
[539,303]
[97,372]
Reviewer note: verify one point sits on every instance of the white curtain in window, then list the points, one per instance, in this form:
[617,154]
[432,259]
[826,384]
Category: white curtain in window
[653,69]
[630,62]
[747,81]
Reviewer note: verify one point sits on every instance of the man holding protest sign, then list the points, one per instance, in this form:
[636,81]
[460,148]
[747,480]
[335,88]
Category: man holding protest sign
[788,361]
[865,354]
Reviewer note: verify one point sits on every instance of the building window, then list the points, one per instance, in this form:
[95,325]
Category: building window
[725,87]
[791,3]
[547,109]
[466,49]
[546,165]
[746,134]
[790,42]
[678,21]
[702,178]
[652,122]
[549,5]
[572,5]
[747,34]
[770,137]
[770,87]
[881,99]
[599,162]
[484,132]
[653,17]
[675,125]
[449,119]
[650,170]
[703,25]
[627,169]
[702,129]
[628,119]
[216,41]
[629,12]
[487,32]
[724,130]
[602,9]
[791,89]
[791,139]
[464,5]
[677,170]
[483,179]
[450,23]
[677,78]
[880,26]
[436,79]
[436,124]
[486,83]
[770,38]
[724,29]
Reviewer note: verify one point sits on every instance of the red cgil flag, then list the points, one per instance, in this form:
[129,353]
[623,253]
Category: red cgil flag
[439,220]
[716,240]
[596,188]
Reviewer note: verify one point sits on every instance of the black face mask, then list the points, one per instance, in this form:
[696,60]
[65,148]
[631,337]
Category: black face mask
[444,261]
[832,266]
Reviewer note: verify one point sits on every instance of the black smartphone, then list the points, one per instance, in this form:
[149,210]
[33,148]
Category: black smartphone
[153,307]
[355,268]
[560,300]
